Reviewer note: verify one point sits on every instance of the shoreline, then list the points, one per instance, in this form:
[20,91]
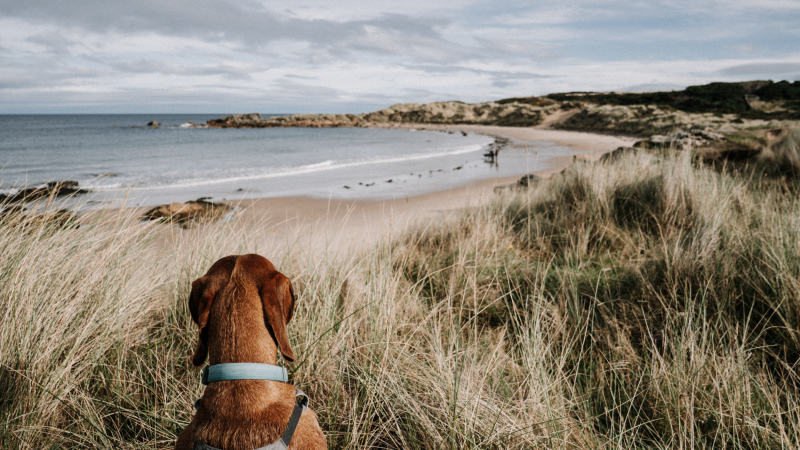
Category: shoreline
[345,225]
[359,223]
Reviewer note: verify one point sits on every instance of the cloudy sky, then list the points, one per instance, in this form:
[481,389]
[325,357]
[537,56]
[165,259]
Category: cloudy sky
[221,56]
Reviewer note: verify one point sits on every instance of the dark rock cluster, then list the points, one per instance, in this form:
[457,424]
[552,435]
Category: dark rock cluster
[55,189]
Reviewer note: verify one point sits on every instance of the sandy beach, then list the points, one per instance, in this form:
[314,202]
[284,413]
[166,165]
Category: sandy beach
[356,224]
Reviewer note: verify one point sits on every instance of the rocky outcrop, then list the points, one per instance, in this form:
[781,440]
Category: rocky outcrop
[505,114]
[55,189]
[298,120]
[236,121]
[190,213]
[317,120]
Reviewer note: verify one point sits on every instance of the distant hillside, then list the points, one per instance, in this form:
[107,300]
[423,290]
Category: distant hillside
[750,99]
[723,107]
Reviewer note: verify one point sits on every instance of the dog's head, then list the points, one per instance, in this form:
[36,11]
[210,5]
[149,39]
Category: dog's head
[275,290]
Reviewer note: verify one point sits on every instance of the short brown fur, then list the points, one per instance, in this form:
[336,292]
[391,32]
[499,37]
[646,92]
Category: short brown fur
[242,306]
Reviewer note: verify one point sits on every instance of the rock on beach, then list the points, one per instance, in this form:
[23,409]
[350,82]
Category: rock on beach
[193,212]
[55,189]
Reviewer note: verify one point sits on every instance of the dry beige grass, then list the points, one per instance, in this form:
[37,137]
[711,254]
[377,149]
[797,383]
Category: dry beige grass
[649,303]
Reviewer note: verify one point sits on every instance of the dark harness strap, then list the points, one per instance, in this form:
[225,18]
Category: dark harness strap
[300,405]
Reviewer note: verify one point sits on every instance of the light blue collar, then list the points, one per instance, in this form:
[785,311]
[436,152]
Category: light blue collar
[244,371]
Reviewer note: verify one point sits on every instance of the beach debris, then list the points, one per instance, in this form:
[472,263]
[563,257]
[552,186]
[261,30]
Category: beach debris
[459,167]
[389,180]
[54,188]
[346,186]
[370,184]
[153,123]
[464,133]
[190,213]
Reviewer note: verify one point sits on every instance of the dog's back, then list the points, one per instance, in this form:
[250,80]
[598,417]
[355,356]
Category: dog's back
[246,305]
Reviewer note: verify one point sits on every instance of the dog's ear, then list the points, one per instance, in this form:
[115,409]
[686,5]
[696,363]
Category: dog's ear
[200,306]
[278,301]
[194,297]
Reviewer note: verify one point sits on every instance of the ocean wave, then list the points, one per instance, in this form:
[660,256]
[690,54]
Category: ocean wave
[15,190]
[285,172]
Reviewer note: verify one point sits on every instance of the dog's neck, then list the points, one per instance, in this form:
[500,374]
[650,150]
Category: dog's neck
[237,330]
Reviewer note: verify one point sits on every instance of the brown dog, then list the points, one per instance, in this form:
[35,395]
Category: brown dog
[242,306]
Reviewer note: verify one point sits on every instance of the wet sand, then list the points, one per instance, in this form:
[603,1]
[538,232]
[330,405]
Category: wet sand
[352,225]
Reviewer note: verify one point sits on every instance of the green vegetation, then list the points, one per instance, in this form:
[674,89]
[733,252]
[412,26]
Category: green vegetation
[782,90]
[612,98]
[648,303]
[535,101]
[723,98]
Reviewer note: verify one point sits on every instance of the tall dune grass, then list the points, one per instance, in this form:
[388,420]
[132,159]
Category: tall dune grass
[644,304]
[784,155]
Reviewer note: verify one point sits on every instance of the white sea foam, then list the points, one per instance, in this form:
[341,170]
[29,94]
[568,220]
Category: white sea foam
[283,172]
[176,162]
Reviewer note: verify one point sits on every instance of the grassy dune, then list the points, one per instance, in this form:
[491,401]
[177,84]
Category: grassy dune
[649,303]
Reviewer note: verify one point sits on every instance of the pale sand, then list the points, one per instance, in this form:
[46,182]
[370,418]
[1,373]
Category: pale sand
[349,225]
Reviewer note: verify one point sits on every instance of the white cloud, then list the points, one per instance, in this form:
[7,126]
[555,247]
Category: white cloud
[322,56]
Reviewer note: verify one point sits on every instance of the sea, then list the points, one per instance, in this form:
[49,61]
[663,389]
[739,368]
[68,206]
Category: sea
[117,157]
